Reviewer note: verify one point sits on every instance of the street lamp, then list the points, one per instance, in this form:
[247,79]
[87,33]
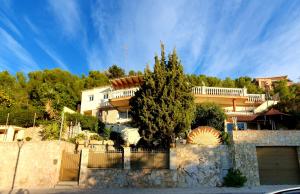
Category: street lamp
[20,143]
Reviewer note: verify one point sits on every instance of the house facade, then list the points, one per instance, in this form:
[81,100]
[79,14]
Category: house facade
[111,103]
[268,82]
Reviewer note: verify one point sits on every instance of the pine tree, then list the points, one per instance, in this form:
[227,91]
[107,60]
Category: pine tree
[164,105]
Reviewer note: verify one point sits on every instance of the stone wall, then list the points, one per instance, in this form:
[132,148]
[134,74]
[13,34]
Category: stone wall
[38,164]
[267,137]
[244,148]
[190,166]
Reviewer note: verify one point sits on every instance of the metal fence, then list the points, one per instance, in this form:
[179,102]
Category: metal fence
[108,159]
[149,159]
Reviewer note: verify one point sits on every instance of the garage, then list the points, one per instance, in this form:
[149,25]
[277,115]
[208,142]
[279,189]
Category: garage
[278,165]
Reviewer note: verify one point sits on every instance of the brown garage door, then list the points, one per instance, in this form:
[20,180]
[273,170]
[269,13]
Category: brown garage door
[278,165]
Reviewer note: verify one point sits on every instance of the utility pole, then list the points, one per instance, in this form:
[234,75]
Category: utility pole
[6,126]
[61,125]
[34,119]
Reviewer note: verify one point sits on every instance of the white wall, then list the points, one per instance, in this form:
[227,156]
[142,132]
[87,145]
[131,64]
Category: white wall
[87,105]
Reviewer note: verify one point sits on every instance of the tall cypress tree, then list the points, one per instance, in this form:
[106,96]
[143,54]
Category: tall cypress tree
[164,104]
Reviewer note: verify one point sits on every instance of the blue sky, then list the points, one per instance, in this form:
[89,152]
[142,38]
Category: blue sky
[219,38]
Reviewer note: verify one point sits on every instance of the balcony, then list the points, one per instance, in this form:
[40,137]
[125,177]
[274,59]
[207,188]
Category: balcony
[228,93]
[223,96]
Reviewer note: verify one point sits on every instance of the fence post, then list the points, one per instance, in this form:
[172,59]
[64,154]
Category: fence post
[172,159]
[126,157]
[84,159]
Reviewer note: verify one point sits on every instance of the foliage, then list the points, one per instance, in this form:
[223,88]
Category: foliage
[225,137]
[117,138]
[289,101]
[164,105]
[95,79]
[115,72]
[87,122]
[20,116]
[106,132]
[51,131]
[234,178]
[209,114]
[96,137]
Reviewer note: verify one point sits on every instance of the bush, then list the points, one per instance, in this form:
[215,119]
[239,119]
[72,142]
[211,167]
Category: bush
[87,122]
[209,114]
[225,137]
[19,116]
[96,137]
[107,132]
[51,132]
[234,178]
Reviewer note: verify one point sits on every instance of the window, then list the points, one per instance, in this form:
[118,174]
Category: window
[91,97]
[123,115]
[105,96]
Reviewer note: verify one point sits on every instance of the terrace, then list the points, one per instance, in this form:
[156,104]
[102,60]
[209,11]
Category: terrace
[223,96]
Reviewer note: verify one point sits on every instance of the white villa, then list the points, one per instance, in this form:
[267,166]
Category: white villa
[111,103]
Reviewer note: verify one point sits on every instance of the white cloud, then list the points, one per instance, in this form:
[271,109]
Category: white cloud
[67,15]
[221,38]
[14,55]
[10,25]
[53,55]
[32,26]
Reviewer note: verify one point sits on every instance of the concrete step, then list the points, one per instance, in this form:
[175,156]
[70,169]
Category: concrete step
[66,185]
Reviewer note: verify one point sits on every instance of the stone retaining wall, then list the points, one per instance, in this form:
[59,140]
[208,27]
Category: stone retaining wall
[267,137]
[191,166]
[38,166]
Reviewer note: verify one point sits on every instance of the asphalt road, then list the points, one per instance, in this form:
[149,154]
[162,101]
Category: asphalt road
[205,190]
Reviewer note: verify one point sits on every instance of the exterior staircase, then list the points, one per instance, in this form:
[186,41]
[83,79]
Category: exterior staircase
[264,106]
[66,185]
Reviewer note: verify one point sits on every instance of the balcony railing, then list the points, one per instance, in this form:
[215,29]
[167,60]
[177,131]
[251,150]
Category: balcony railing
[123,93]
[200,90]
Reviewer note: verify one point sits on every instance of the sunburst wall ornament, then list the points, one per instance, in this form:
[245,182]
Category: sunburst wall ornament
[204,135]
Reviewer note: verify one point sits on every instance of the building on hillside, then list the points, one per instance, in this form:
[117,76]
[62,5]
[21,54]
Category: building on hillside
[111,103]
[268,82]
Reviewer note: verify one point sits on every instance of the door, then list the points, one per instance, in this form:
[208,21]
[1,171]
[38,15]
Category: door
[278,165]
[70,165]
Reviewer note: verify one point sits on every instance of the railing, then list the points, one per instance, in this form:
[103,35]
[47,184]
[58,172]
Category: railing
[256,97]
[123,93]
[200,90]
[108,159]
[149,159]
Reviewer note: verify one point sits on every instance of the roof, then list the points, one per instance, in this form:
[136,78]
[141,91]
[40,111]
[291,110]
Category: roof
[274,77]
[273,111]
[127,82]
[244,118]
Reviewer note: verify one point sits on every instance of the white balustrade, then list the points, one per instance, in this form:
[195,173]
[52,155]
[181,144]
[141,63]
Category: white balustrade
[256,97]
[217,91]
[199,90]
[123,93]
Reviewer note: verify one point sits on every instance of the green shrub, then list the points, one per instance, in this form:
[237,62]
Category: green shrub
[225,137]
[209,114]
[51,131]
[87,122]
[19,116]
[96,137]
[234,178]
[107,132]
